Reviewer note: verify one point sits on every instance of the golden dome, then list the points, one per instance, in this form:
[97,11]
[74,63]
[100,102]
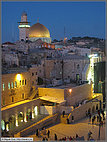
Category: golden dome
[38,30]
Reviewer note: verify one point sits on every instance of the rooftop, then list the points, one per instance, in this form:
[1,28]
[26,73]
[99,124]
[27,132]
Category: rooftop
[68,57]
[13,70]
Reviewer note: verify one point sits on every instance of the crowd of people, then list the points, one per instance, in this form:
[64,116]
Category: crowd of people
[99,117]
[69,138]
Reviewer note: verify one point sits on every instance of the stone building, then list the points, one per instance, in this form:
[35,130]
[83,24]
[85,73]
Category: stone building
[11,59]
[15,87]
[66,67]
[24,27]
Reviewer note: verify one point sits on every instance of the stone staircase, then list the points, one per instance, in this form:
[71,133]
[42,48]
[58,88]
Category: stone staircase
[33,93]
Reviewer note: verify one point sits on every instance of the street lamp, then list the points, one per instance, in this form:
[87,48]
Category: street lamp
[96,100]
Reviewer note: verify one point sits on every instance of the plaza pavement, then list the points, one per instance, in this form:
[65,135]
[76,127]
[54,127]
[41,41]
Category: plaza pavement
[81,128]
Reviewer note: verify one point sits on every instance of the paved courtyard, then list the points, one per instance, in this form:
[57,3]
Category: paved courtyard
[81,128]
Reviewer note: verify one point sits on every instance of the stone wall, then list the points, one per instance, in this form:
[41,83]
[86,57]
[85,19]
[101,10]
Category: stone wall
[23,107]
[78,94]
[52,92]
[67,109]
[71,67]
[53,69]
[49,120]
[80,112]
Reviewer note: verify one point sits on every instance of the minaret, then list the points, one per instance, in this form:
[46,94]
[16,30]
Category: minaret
[24,27]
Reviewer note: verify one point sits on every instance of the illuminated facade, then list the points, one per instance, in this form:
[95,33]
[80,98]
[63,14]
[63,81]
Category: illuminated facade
[93,59]
[24,27]
[15,87]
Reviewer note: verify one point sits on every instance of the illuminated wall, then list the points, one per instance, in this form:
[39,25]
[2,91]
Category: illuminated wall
[52,92]
[15,87]
[99,78]
[78,93]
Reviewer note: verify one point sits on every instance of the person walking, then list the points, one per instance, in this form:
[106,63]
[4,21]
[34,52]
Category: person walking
[103,114]
[55,137]
[100,118]
[76,135]
[48,133]
[89,135]
[70,138]
[46,138]
[36,132]
[86,113]
[89,116]
[97,118]
[101,123]
[67,121]
[92,121]
[43,139]
[63,113]
[30,115]
[99,112]
[94,117]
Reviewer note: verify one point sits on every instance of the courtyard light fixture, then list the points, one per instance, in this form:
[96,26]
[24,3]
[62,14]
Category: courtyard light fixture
[18,77]
[70,90]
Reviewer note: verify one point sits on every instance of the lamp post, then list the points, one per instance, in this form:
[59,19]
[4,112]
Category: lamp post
[96,100]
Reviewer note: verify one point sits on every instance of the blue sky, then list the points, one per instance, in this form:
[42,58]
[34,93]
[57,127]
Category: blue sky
[78,18]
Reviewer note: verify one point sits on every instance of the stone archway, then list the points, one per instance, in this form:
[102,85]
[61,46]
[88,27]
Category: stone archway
[29,114]
[20,117]
[2,125]
[11,121]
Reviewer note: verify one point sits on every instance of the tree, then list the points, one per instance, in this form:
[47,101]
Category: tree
[55,40]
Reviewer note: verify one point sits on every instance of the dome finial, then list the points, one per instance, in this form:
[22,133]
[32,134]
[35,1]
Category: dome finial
[37,20]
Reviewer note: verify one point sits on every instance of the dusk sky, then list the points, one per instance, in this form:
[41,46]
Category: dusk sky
[78,18]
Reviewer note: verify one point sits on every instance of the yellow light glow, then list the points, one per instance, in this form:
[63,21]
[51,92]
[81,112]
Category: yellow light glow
[32,114]
[36,110]
[17,123]
[70,90]
[7,127]
[96,95]
[18,77]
